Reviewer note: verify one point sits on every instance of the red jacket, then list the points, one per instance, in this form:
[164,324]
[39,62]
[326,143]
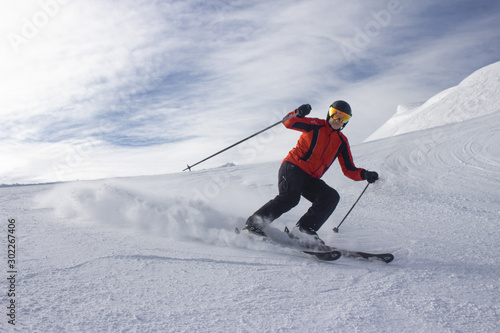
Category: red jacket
[319,146]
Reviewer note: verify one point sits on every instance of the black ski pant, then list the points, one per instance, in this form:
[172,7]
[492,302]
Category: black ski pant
[294,183]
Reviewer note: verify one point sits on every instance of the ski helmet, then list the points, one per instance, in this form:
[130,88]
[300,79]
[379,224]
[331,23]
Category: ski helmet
[342,106]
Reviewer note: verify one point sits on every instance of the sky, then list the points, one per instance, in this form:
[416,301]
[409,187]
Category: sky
[93,89]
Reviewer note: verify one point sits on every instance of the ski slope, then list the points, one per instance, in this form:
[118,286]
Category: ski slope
[158,254]
[477,95]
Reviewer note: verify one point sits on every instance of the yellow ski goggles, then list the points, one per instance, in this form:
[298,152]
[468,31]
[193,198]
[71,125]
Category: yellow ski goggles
[339,115]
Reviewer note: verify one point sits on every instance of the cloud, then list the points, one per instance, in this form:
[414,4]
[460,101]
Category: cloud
[191,77]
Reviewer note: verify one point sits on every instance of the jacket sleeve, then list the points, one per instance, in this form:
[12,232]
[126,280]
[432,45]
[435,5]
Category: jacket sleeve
[301,124]
[347,164]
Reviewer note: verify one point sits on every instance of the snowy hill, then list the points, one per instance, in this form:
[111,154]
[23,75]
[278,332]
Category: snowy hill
[158,254]
[477,95]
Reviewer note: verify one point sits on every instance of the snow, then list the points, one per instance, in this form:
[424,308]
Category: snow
[475,96]
[158,253]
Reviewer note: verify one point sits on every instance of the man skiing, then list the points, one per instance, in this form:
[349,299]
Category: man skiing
[320,143]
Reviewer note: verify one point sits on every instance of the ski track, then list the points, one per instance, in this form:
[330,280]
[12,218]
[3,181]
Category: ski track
[158,254]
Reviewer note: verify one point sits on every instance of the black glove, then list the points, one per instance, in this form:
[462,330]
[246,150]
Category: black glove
[303,110]
[370,176]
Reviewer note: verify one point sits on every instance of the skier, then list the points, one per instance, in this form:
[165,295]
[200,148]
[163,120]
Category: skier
[320,143]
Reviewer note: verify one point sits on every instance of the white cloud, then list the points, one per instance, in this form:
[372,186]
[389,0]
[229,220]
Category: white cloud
[196,76]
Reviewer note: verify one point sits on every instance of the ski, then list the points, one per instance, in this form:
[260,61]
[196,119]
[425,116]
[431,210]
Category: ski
[385,257]
[326,254]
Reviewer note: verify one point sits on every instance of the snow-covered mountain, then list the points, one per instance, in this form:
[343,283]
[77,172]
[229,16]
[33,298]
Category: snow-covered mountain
[158,254]
[475,96]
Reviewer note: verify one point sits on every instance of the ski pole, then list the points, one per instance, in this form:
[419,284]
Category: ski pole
[336,229]
[241,141]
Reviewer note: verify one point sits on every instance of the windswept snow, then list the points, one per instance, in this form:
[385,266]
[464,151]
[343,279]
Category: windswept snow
[475,96]
[158,254]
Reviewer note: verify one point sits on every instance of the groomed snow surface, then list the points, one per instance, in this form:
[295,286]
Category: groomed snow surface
[158,254]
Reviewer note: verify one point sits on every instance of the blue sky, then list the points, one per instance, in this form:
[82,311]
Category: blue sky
[94,89]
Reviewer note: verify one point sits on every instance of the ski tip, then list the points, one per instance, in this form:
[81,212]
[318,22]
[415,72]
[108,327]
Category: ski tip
[237,231]
[387,258]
